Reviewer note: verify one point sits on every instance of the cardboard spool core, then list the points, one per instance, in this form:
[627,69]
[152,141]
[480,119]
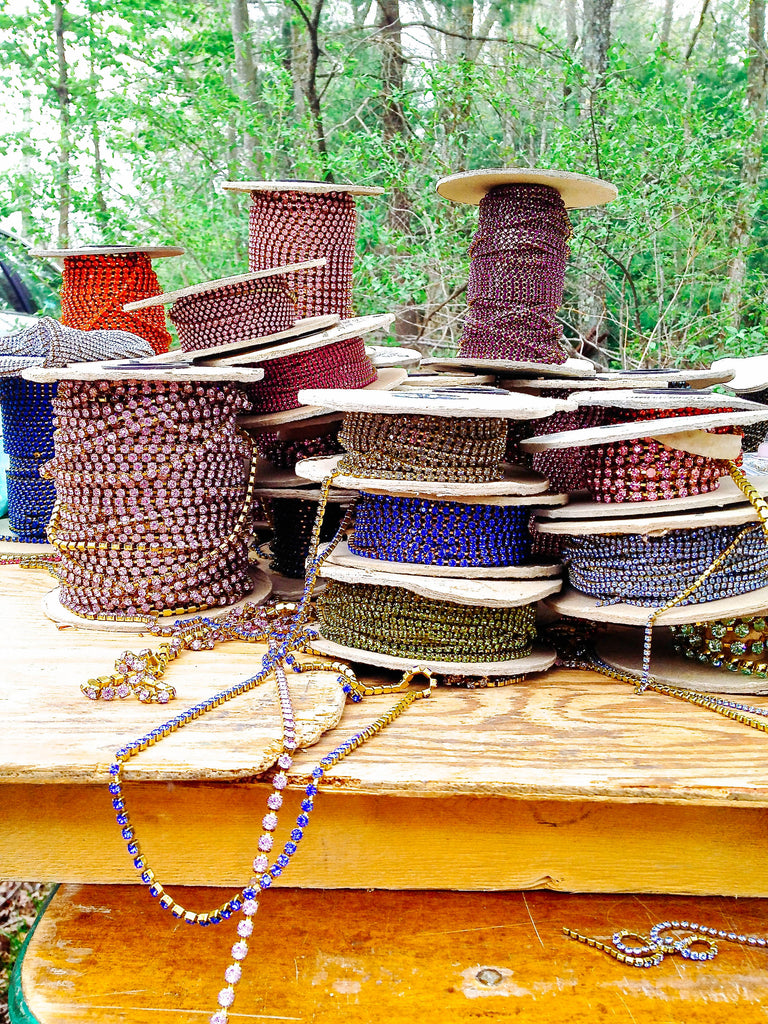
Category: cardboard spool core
[574,368]
[580,606]
[622,649]
[578,191]
[55,610]
[538,661]
[308,187]
[516,481]
[725,494]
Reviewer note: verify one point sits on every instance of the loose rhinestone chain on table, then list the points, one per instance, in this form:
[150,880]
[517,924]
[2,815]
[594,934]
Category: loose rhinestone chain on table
[449,533]
[234,312]
[401,624]
[153,497]
[95,288]
[517,276]
[398,447]
[658,943]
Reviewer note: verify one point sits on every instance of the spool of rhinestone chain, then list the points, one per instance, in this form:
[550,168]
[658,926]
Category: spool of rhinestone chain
[517,276]
[285,453]
[153,496]
[649,571]
[736,644]
[449,533]
[411,447]
[234,312]
[96,287]
[292,521]
[396,622]
[28,442]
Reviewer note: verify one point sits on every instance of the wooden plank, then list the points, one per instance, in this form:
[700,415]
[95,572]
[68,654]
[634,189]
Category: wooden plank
[203,834]
[375,958]
[565,735]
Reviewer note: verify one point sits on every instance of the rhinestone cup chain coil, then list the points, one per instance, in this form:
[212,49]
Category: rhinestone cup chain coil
[28,441]
[95,288]
[517,276]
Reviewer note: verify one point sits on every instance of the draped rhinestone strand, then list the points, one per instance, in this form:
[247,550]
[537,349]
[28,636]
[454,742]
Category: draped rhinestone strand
[95,288]
[517,276]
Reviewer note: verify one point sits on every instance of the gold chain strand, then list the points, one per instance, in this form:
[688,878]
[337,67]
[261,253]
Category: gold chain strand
[758,503]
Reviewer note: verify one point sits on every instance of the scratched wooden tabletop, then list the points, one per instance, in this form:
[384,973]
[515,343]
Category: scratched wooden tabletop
[563,735]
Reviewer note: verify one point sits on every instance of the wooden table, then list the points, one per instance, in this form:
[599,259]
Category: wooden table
[567,782]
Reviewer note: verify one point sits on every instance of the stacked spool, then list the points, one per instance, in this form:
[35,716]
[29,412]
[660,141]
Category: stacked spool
[748,378]
[664,537]
[311,221]
[435,572]
[153,493]
[95,282]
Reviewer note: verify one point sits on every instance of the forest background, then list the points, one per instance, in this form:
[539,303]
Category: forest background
[122,120]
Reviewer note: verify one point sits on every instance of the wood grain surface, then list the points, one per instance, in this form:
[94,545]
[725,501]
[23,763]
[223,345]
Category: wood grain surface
[100,956]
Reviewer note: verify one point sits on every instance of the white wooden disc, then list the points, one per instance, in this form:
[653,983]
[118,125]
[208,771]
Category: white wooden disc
[736,515]
[118,369]
[538,661]
[285,588]
[385,379]
[527,571]
[480,593]
[581,507]
[296,185]
[336,496]
[155,251]
[165,298]
[623,649]
[449,402]
[392,355]
[62,616]
[575,368]
[308,326]
[358,326]
[447,380]
[747,374]
[612,380]
[662,398]
[578,191]
[516,481]
[584,437]
[581,606]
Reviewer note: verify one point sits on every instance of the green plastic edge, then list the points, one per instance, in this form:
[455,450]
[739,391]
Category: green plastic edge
[18,1011]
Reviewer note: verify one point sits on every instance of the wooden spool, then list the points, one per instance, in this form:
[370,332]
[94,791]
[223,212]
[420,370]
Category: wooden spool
[622,649]
[578,191]
[310,326]
[612,380]
[581,606]
[154,251]
[393,355]
[142,370]
[571,368]
[63,617]
[296,185]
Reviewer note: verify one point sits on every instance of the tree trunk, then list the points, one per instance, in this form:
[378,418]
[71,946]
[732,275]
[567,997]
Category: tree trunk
[311,20]
[245,69]
[751,165]
[394,129]
[571,91]
[595,43]
[65,142]
[666,22]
